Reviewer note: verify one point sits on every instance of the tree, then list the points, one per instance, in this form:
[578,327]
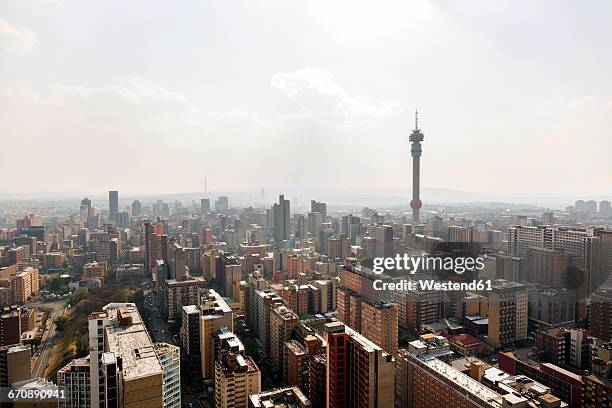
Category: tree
[82,345]
[61,323]
[138,296]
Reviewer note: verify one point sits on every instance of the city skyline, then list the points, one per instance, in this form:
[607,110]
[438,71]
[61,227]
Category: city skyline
[212,98]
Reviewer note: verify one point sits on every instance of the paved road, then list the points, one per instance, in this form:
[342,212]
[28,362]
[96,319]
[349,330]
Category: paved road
[56,309]
[158,327]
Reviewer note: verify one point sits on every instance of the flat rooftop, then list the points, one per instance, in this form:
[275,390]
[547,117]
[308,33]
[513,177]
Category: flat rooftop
[128,338]
[465,382]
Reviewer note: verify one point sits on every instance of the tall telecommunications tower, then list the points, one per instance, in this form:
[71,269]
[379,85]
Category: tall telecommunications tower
[416,138]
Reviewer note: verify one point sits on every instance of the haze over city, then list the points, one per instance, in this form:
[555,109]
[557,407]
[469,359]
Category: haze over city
[514,97]
[305,204]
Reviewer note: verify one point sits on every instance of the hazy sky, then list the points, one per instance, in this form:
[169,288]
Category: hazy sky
[151,96]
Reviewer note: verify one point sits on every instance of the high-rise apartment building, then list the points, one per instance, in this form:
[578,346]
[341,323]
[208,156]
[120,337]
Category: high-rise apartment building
[236,377]
[176,260]
[190,332]
[381,238]
[179,293]
[424,380]
[416,307]
[379,324]
[282,322]
[573,241]
[359,373]
[265,300]
[551,308]
[24,284]
[339,247]
[600,315]
[303,354]
[508,313]
[605,256]
[215,314]
[457,233]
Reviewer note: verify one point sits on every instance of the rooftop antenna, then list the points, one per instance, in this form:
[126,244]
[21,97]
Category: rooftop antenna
[416,120]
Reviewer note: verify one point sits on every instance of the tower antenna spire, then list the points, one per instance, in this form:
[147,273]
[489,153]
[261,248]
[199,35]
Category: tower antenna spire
[416,119]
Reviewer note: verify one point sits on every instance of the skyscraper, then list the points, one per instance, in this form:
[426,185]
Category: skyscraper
[416,138]
[86,211]
[318,207]
[281,213]
[204,206]
[152,246]
[136,208]
[222,204]
[113,204]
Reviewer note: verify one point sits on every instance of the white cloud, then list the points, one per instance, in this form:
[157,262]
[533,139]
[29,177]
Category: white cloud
[593,104]
[306,79]
[16,39]
[317,89]
[134,102]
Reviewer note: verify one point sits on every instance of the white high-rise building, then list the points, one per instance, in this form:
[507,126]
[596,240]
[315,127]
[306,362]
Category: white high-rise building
[97,322]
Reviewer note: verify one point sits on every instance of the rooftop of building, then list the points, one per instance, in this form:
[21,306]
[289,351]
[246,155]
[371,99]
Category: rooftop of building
[464,363]
[290,397]
[213,303]
[295,347]
[464,339]
[130,266]
[191,309]
[285,312]
[74,364]
[36,383]
[468,384]
[236,364]
[94,264]
[186,281]
[162,348]
[230,340]
[128,338]
[562,371]
[494,374]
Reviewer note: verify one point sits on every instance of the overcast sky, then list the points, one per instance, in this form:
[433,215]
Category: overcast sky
[151,96]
